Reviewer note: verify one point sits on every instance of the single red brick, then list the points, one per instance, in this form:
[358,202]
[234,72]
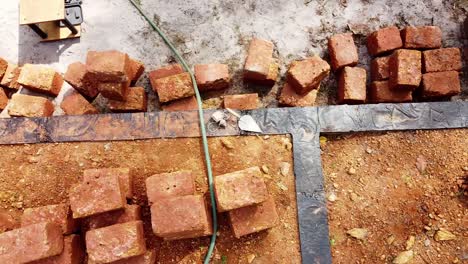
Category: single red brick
[289,97]
[180,217]
[212,76]
[73,252]
[114,91]
[29,106]
[10,79]
[96,196]
[75,104]
[115,242]
[148,258]
[109,66]
[405,69]
[241,101]
[3,67]
[59,214]
[135,101]
[7,221]
[184,104]
[169,70]
[239,189]
[41,79]
[352,85]
[379,68]
[128,214]
[259,60]
[440,84]
[254,218]
[3,99]
[137,68]
[77,76]
[380,92]
[343,51]
[447,59]
[174,87]
[30,243]
[166,185]
[306,75]
[126,179]
[384,40]
[425,37]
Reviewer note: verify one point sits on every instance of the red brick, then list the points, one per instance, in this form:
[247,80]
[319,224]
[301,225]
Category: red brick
[10,79]
[380,92]
[96,196]
[405,69]
[447,59]
[77,76]
[440,84]
[425,37]
[73,252]
[174,87]
[3,67]
[169,70]
[128,214]
[384,40]
[352,85]
[59,214]
[115,242]
[7,221]
[124,175]
[137,68]
[3,99]
[343,51]
[148,258]
[75,104]
[379,68]
[180,217]
[31,243]
[212,76]
[306,75]
[239,189]
[185,104]
[114,91]
[164,185]
[29,106]
[259,60]
[289,97]
[241,101]
[254,218]
[109,66]
[41,79]
[135,101]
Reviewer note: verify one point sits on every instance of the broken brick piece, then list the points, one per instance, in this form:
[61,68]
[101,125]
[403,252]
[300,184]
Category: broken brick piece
[7,221]
[259,59]
[174,87]
[41,79]
[254,218]
[405,69]
[352,85]
[241,101]
[438,60]
[184,104]
[148,258]
[115,242]
[212,76]
[59,214]
[114,91]
[166,185]
[137,68]
[440,84]
[96,196]
[239,189]
[10,78]
[128,214]
[343,51]
[169,70]
[384,40]
[180,217]
[425,37]
[109,66]
[135,101]
[3,99]
[380,92]
[30,106]
[77,76]
[124,175]
[73,252]
[75,104]
[30,243]
[379,68]
[3,67]
[289,97]
[306,75]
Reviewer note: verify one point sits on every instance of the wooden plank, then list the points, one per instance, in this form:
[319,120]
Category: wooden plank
[38,11]
[54,32]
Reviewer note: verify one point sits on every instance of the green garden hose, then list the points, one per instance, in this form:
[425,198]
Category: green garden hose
[202,128]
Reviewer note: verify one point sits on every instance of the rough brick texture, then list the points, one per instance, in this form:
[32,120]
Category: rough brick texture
[174,87]
[10,78]
[405,69]
[289,97]
[3,99]
[440,84]
[109,66]
[75,104]
[384,40]
[3,67]
[137,68]
[254,218]
[259,60]
[212,76]
[242,101]
[185,104]
[136,100]
[447,59]
[30,243]
[41,79]
[306,75]
[59,214]
[73,252]
[124,175]
[380,92]
[343,51]
[148,258]
[115,242]
[96,196]
[7,221]
[425,37]
[164,185]
[169,70]
[78,78]
[114,91]
[352,85]
[128,214]
[239,189]
[30,106]
[379,68]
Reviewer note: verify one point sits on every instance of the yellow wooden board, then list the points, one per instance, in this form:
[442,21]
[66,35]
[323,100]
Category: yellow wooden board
[54,32]
[37,11]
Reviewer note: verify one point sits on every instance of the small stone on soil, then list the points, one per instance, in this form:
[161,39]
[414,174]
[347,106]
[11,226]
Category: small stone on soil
[284,168]
[390,239]
[227,143]
[250,258]
[332,197]
[404,257]
[443,235]
[265,169]
[352,171]
[358,233]
[410,242]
